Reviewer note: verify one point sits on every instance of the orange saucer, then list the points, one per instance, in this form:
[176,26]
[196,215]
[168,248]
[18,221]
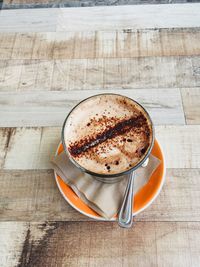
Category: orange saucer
[143,198]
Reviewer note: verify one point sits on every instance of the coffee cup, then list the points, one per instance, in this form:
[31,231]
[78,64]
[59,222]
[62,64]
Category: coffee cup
[108,136]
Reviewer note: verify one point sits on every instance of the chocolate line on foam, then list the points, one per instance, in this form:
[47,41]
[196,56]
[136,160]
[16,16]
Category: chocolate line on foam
[83,145]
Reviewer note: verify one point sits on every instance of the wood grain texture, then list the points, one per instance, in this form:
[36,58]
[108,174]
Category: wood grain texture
[49,60]
[100,18]
[118,73]
[122,17]
[191,103]
[26,20]
[180,145]
[5,139]
[100,44]
[50,108]
[33,196]
[11,245]
[39,146]
[16,4]
[12,2]
[101,244]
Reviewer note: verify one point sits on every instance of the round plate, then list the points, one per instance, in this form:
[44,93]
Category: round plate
[143,198]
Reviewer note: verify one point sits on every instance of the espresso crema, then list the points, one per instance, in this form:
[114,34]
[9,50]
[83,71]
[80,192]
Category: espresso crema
[108,134]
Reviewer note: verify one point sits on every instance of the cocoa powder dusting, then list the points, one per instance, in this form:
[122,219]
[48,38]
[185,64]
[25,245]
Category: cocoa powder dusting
[121,127]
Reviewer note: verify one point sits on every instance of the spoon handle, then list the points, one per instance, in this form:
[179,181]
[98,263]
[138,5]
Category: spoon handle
[125,217]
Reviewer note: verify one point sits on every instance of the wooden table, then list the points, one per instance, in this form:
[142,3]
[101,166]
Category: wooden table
[49,60]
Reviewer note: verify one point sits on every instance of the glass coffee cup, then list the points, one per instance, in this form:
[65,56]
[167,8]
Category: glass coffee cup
[109,136]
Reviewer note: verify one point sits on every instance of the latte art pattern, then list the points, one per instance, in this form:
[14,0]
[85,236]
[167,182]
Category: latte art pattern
[108,134]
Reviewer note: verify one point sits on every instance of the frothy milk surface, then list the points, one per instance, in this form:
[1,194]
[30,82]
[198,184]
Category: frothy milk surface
[108,134]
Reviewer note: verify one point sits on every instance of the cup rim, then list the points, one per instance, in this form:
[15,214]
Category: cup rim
[99,174]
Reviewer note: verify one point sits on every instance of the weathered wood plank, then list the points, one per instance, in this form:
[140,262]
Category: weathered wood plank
[26,74]
[26,196]
[100,44]
[4,141]
[15,4]
[39,146]
[33,196]
[180,192]
[36,75]
[11,245]
[27,20]
[22,45]
[50,108]
[10,2]
[122,17]
[43,47]
[150,72]
[84,244]
[10,74]
[100,18]
[191,103]
[6,45]
[75,74]
[180,145]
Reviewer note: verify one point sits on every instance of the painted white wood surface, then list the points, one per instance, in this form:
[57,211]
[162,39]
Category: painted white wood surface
[27,20]
[122,17]
[50,108]
[100,18]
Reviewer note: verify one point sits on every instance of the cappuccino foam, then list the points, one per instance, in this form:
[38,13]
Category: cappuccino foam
[108,134]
